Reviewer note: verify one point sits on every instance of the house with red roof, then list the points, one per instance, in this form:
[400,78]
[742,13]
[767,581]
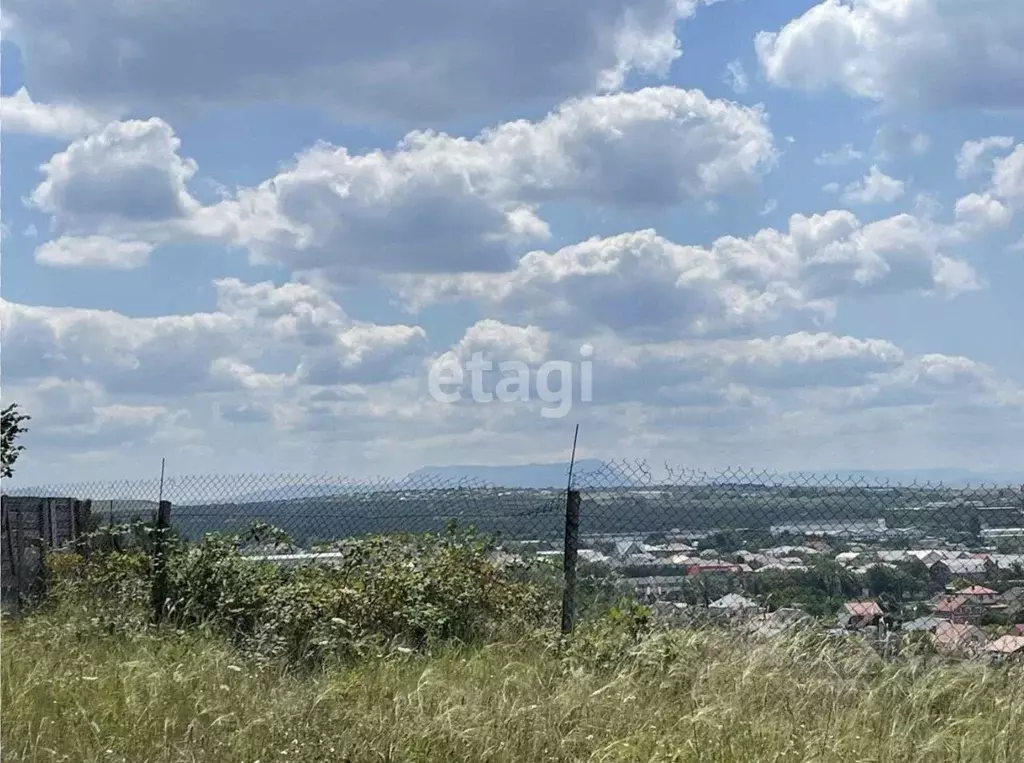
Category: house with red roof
[859,614]
[1006,646]
[980,594]
[960,639]
[954,608]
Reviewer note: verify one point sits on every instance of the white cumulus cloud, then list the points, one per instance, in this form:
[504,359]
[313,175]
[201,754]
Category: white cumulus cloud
[260,335]
[93,252]
[128,173]
[434,203]
[904,53]
[973,152]
[20,114]
[642,284]
[874,188]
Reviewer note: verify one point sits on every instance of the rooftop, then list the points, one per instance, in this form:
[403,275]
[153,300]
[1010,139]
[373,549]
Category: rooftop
[950,603]
[923,624]
[863,608]
[952,633]
[733,601]
[1006,645]
[978,590]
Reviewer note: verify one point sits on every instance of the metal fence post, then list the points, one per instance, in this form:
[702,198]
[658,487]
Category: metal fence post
[83,526]
[572,542]
[44,527]
[12,554]
[160,531]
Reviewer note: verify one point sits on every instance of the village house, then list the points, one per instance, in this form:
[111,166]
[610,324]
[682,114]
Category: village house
[973,570]
[631,549]
[654,587]
[683,559]
[962,639]
[782,620]
[926,624]
[859,614]
[791,561]
[706,566]
[631,554]
[1008,562]
[751,558]
[929,556]
[779,566]
[892,557]
[733,606]
[867,568]
[956,609]
[1006,646]
[668,550]
[980,594]
[779,551]
[593,556]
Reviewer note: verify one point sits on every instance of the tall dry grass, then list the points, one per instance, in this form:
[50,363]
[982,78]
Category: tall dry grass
[74,691]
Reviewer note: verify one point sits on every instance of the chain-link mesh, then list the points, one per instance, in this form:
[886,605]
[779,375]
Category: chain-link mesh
[734,541]
[746,543]
[625,498]
[317,510]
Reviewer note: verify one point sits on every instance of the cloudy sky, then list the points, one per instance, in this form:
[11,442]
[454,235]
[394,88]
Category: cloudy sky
[239,234]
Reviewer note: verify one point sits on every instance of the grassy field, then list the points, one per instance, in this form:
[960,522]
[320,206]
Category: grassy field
[419,649]
[72,690]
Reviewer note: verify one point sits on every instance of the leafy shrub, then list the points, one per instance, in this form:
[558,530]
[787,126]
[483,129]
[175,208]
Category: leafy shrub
[111,589]
[119,578]
[606,642]
[409,592]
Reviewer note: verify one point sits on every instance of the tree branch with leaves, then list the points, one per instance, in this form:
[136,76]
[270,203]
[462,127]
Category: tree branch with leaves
[12,428]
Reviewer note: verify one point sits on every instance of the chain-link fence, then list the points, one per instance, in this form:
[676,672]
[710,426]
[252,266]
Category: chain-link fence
[318,510]
[774,549]
[734,544]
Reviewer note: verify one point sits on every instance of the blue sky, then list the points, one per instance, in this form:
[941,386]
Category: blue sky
[239,239]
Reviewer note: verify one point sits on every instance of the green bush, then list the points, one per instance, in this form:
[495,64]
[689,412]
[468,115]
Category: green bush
[607,642]
[114,581]
[386,592]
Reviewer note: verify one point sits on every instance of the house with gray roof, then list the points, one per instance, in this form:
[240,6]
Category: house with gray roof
[734,605]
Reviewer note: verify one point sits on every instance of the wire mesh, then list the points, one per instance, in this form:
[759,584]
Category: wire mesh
[318,510]
[752,543]
[734,542]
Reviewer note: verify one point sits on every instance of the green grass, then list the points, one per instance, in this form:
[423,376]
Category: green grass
[72,690]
